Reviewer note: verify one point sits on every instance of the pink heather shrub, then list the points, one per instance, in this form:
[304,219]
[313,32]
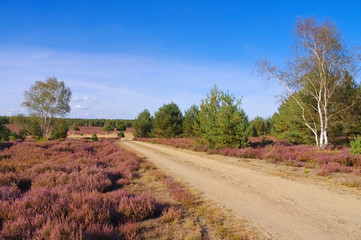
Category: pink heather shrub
[69,190]
[130,230]
[137,208]
[278,151]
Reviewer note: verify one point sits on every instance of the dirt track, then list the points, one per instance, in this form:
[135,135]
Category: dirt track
[279,208]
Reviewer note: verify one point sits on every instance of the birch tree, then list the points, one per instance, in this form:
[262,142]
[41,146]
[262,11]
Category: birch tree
[321,64]
[46,100]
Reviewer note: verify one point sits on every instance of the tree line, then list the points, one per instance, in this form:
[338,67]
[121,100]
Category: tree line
[218,121]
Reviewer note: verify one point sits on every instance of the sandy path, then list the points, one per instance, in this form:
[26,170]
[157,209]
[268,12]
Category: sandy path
[279,208]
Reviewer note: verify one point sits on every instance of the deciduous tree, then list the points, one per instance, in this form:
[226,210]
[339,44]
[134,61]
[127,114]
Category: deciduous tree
[321,64]
[46,100]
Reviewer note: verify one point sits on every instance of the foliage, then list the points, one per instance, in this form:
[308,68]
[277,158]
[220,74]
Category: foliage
[108,128]
[168,121]
[121,127]
[29,125]
[191,121]
[142,125]
[60,130]
[222,123]
[322,65]
[279,151]
[4,132]
[48,99]
[75,127]
[260,126]
[287,124]
[120,134]
[94,138]
[356,146]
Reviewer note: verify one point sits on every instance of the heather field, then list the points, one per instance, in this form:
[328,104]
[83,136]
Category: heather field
[69,190]
[325,161]
[78,189]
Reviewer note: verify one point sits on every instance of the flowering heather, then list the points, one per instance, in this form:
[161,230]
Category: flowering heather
[171,214]
[70,190]
[278,151]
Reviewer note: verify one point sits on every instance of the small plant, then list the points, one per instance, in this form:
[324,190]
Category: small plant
[94,137]
[355,146]
[120,134]
[171,214]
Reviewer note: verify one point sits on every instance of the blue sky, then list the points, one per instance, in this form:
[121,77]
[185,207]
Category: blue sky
[120,57]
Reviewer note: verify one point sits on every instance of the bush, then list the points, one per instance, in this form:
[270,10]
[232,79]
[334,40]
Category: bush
[4,133]
[120,134]
[94,137]
[355,146]
[108,128]
[121,127]
[60,130]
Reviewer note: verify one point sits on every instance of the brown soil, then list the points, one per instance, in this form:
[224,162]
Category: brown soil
[280,207]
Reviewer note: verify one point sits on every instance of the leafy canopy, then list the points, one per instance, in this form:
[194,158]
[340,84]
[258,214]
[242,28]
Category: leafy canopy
[46,100]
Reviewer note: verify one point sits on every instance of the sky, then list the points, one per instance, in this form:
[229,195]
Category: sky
[120,57]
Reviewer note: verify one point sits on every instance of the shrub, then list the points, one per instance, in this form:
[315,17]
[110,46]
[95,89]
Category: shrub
[121,127]
[355,146]
[60,130]
[94,137]
[56,190]
[4,133]
[120,134]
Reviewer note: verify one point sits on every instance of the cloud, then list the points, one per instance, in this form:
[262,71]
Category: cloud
[122,85]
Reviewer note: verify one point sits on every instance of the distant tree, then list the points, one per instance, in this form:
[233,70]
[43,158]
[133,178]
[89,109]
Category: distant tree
[29,125]
[108,128]
[75,126]
[168,121]
[46,100]
[222,123]
[121,127]
[260,126]
[321,64]
[142,125]
[60,129]
[4,132]
[190,121]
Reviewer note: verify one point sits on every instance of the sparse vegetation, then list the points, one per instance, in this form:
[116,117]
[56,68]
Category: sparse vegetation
[94,137]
